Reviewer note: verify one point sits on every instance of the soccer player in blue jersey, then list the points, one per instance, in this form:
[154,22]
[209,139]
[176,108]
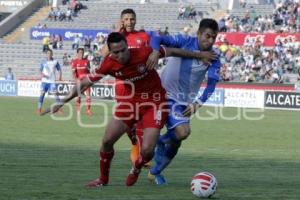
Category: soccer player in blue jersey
[181,78]
[48,70]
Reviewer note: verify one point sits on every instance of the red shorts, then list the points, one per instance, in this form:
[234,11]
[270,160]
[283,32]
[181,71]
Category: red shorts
[150,115]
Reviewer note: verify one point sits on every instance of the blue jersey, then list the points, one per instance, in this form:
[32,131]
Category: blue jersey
[182,77]
[48,68]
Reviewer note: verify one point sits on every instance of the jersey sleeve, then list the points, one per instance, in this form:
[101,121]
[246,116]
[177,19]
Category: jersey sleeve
[176,41]
[208,91]
[100,71]
[162,51]
[41,67]
[214,70]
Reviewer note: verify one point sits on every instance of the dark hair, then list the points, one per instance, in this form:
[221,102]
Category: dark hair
[115,37]
[80,49]
[128,11]
[208,23]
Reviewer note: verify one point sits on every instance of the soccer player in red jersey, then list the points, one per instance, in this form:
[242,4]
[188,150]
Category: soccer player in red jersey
[145,101]
[135,39]
[80,68]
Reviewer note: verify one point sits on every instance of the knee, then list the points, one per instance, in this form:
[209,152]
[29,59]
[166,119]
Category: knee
[107,143]
[183,134]
[147,152]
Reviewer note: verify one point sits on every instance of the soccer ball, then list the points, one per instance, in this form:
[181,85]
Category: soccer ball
[204,185]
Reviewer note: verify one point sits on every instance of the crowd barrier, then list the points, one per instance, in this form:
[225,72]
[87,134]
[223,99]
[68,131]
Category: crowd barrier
[66,34]
[226,95]
[265,39]
[238,39]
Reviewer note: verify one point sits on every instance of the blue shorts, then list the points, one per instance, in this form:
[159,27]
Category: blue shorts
[175,117]
[48,87]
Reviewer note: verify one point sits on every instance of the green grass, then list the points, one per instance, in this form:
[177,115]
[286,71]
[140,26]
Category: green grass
[41,158]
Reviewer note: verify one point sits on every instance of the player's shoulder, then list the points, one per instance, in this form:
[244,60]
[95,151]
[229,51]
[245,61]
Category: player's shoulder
[140,33]
[187,40]
[180,36]
[108,62]
[144,34]
[141,52]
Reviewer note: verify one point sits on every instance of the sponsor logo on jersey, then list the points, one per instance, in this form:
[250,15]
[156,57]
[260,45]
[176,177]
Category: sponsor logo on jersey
[141,68]
[118,73]
[138,41]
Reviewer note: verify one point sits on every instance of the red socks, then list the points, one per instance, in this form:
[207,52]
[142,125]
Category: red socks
[105,160]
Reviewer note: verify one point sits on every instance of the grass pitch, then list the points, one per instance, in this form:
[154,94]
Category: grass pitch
[42,158]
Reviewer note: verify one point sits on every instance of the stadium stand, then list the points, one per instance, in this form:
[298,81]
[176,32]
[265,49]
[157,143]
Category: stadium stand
[104,15]
[252,63]
[24,57]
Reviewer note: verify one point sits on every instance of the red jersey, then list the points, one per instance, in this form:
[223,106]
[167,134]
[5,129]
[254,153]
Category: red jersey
[80,67]
[145,82]
[137,39]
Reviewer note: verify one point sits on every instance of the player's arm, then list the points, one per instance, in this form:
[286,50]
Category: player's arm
[58,68]
[206,56]
[213,78]
[119,28]
[41,71]
[80,87]
[85,83]
[177,41]
[74,71]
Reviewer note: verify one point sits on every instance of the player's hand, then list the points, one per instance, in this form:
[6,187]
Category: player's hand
[152,61]
[104,51]
[207,56]
[120,27]
[53,109]
[191,109]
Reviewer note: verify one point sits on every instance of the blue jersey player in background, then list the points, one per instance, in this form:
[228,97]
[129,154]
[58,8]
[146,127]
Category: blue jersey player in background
[182,78]
[48,70]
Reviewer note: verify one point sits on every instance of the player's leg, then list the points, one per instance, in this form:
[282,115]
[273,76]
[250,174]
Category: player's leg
[149,142]
[88,102]
[53,90]
[169,143]
[153,119]
[113,132]
[44,89]
[77,103]
[136,140]
[120,94]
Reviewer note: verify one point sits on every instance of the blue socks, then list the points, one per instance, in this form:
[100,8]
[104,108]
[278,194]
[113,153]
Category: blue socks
[168,146]
[41,100]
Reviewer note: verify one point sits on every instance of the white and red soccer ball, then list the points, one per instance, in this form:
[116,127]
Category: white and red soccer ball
[204,185]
